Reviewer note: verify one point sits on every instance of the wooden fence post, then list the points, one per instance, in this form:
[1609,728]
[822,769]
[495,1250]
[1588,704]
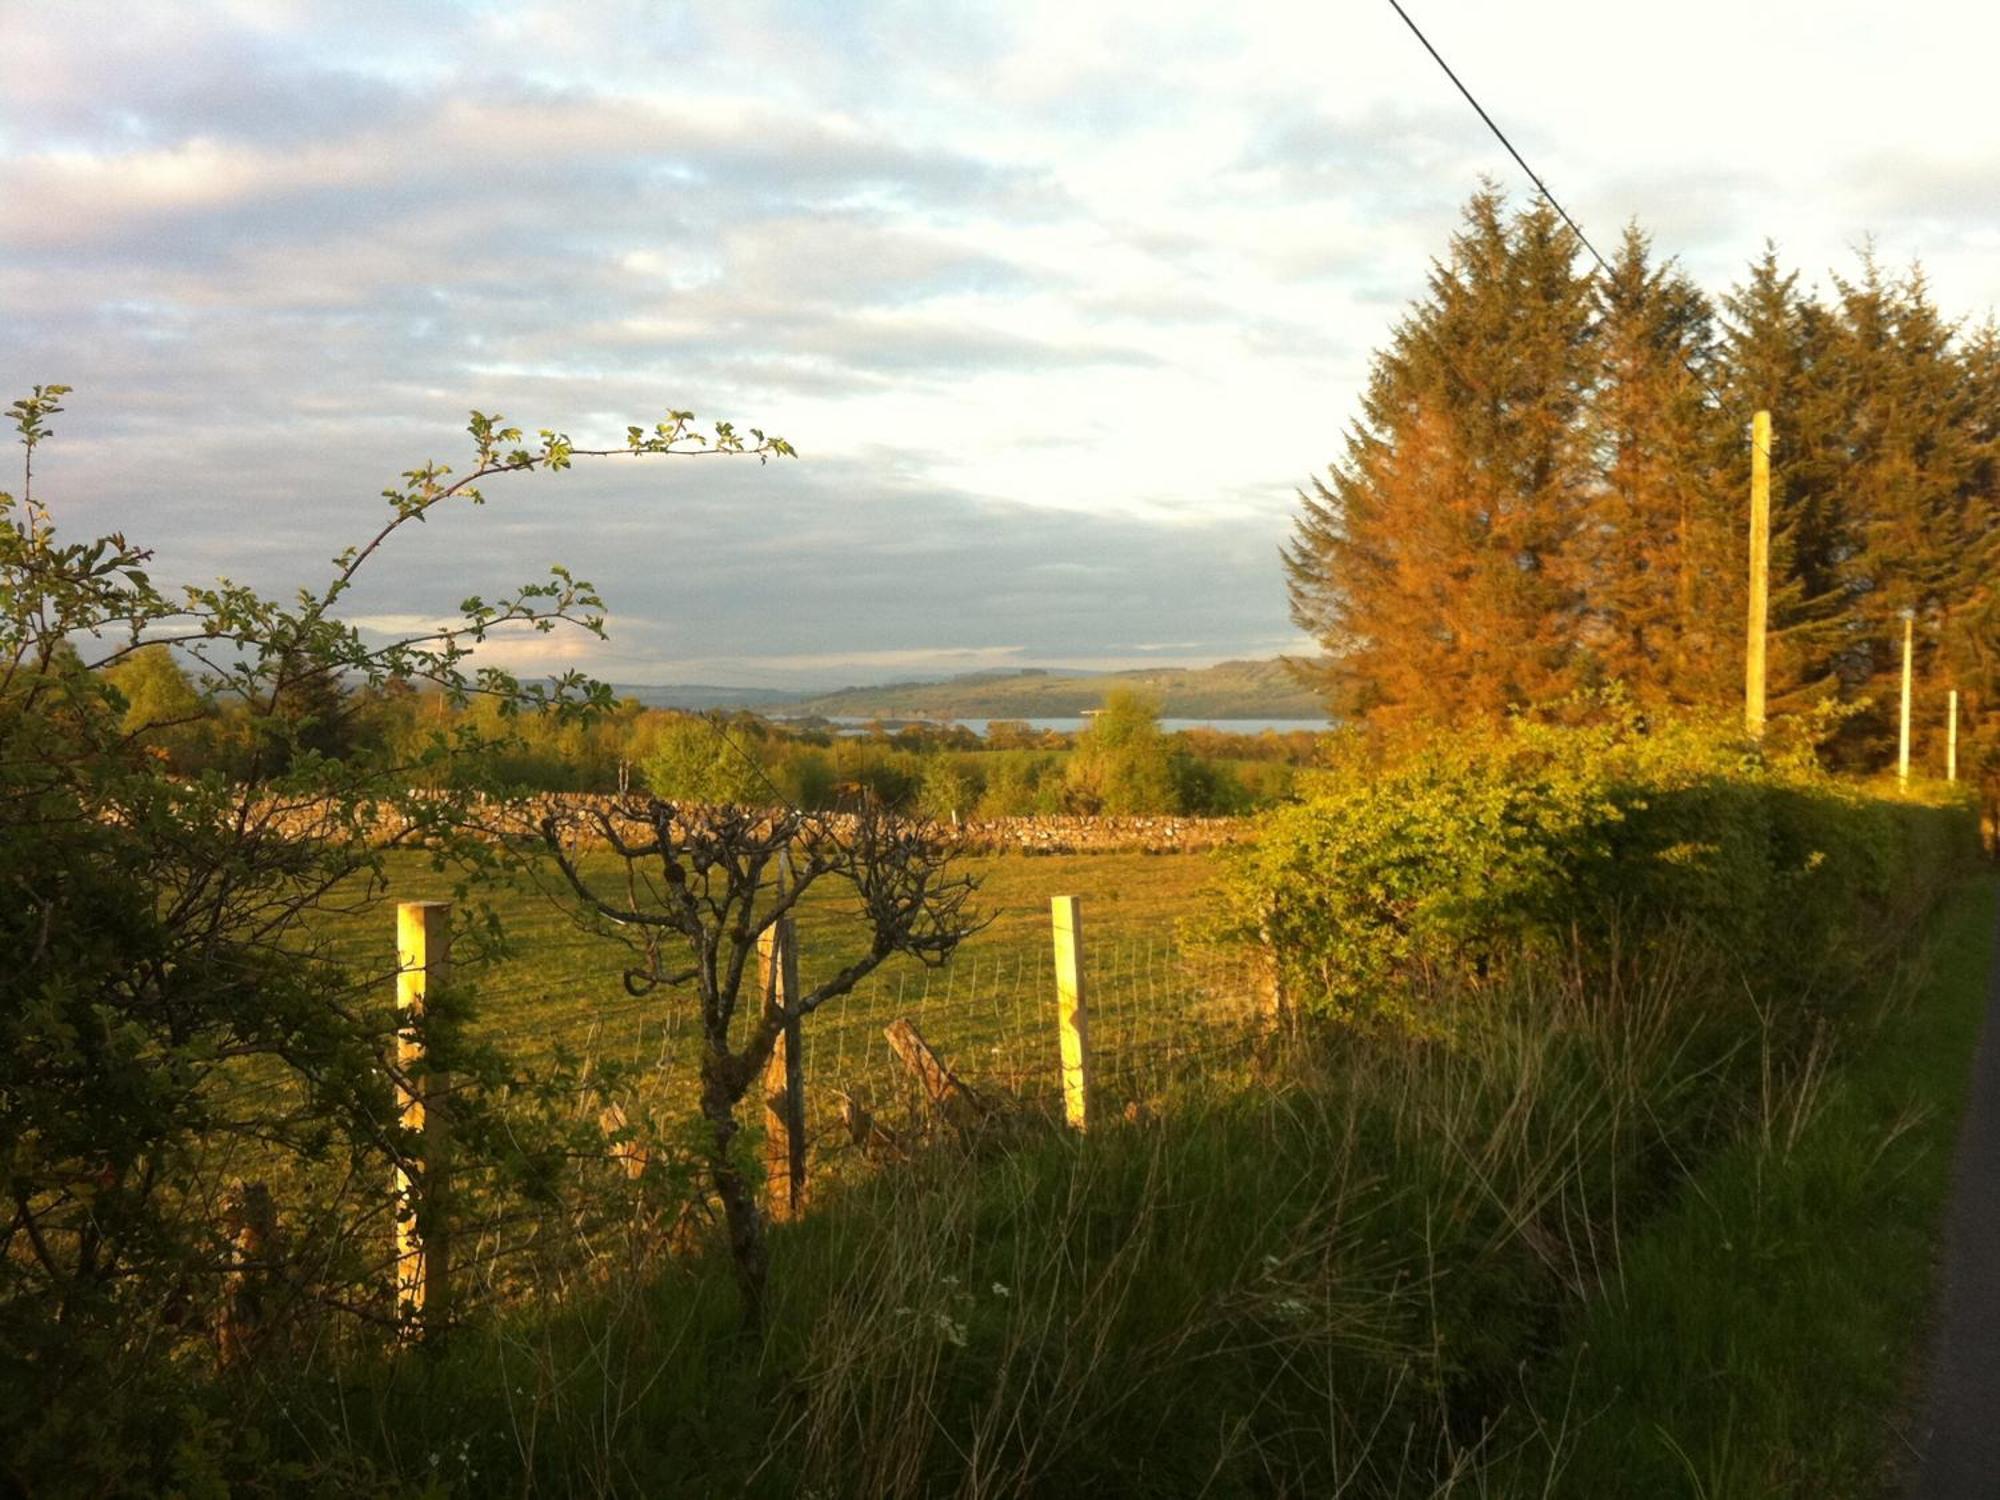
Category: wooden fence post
[1072,1010]
[784,1076]
[1273,1003]
[423,961]
[253,1226]
[1951,743]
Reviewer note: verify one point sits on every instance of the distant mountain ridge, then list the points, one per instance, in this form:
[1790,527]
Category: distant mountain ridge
[696,696]
[1227,690]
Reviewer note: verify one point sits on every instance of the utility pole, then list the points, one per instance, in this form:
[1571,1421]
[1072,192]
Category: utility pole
[1760,573]
[1903,740]
[1951,742]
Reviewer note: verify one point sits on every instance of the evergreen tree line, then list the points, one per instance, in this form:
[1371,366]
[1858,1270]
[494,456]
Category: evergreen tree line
[1548,490]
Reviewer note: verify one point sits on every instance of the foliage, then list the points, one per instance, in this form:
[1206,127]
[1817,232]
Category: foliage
[164,1002]
[1544,492]
[699,759]
[1122,763]
[1433,563]
[1357,1276]
[1821,1222]
[1476,850]
[702,888]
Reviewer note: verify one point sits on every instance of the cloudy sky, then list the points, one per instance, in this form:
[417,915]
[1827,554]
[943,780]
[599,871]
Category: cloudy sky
[1059,302]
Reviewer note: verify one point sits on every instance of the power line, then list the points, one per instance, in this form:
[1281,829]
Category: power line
[1501,136]
[1540,186]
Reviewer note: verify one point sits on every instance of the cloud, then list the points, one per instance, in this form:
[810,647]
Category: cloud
[1061,303]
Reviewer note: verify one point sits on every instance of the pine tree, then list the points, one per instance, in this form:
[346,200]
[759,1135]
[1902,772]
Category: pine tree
[1909,483]
[1434,564]
[1776,357]
[1659,564]
[1969,640]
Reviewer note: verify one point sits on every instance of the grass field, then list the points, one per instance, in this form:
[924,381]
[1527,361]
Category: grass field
[1157,1006]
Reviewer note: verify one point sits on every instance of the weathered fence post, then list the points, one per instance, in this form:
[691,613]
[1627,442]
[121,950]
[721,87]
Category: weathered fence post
[1072,1009]
[784,1076]
[423,962]
[253,1225]
[948,1094]
[1273,1004]
[629,1154]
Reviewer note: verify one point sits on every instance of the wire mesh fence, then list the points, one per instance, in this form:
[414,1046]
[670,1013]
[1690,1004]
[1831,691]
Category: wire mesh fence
[1164,1015]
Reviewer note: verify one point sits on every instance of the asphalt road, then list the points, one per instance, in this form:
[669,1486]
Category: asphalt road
[1959,1442]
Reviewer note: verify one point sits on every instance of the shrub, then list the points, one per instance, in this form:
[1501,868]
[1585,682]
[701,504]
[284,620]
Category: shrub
[1122,763]
[1482,848]
[693,759]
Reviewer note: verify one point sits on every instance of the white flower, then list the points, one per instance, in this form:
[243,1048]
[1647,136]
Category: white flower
[1001,1291]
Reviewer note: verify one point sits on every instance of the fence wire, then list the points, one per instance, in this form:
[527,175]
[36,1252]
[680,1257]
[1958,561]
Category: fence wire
[1163,1016]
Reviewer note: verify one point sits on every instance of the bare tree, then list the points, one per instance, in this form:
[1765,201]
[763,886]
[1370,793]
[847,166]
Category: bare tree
[700,885]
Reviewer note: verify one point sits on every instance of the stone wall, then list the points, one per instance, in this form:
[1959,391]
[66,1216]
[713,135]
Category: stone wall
[1060,834]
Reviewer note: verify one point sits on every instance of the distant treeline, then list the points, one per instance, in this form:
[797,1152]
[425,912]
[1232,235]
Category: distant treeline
[1547,491]
[1122,763]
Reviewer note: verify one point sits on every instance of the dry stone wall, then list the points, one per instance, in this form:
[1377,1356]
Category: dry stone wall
[1058,834]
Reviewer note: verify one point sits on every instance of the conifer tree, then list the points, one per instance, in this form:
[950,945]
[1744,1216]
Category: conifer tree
[1434,563]
[1911,488]
[1968,657]
[1658,556]
[1775,357]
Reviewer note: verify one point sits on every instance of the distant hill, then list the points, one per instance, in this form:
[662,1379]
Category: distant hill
[1228,690]
[700,696]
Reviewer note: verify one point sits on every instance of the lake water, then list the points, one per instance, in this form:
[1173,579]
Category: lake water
[1072,725]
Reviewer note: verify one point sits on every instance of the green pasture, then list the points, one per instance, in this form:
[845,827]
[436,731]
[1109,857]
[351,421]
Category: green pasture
[1157,1005]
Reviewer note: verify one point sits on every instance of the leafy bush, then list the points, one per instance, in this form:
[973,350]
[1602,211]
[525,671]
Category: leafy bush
[1123,764]
[1482,848]
[694,759]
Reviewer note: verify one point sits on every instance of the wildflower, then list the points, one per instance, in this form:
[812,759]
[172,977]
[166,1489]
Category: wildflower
[952,1331]
[1001,1291]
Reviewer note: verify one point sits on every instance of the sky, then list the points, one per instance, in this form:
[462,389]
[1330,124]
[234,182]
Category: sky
[1060,303]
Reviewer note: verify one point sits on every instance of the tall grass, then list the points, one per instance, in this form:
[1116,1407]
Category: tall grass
[1340,1279]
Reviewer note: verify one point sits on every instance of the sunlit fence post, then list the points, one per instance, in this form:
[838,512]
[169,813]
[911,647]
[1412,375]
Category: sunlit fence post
[1951,743]
[1273,1004]
[423,959]
[784,1076]
[1072,1010]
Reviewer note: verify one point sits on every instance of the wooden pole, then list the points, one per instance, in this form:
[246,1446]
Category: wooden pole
[1951,743]
[423,948]
[1072,1010]
[784,1076]
[948,1094]
[1272,1000]
[1903,734]
[1760,573]
[253,1230]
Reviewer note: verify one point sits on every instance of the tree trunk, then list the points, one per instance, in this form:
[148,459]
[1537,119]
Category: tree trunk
[739,1203]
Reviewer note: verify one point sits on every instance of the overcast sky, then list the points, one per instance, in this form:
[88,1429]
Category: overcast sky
[1060,303]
